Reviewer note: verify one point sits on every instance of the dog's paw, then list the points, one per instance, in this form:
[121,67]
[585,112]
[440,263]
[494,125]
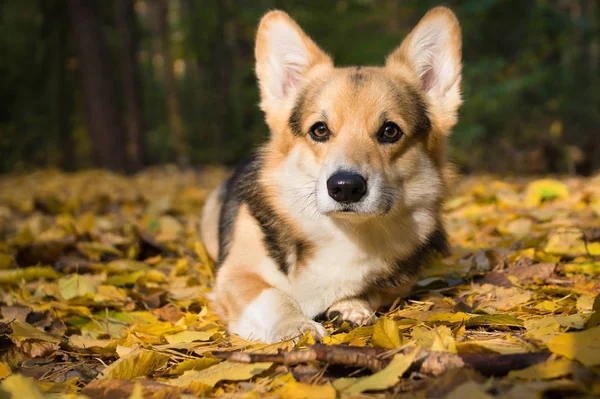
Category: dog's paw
[355,311]
[294,329]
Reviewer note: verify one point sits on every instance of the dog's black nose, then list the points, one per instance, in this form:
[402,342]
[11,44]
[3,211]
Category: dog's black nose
[346,187]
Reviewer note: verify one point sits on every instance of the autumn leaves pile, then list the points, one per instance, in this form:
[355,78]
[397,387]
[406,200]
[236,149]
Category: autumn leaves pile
[104,291]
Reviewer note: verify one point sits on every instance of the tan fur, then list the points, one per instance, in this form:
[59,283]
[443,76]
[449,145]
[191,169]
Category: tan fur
[210,223]
[238,285]
[297,81]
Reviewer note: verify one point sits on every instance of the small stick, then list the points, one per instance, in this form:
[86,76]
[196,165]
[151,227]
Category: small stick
[374,358]
[343,355]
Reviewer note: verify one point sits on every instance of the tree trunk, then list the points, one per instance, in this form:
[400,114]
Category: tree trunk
[225,51]
[98,84]
[56,14]
[161,37]
[128,50]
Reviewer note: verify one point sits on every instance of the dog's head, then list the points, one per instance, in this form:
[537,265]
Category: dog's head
[363,141]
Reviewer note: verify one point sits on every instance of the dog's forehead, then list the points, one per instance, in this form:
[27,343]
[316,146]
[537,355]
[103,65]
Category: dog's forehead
[354,84]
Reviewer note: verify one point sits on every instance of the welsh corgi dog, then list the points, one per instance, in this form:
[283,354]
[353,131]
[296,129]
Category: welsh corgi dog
[337,212]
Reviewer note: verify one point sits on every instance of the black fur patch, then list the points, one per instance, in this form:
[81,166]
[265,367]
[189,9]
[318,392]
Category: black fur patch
[358,78]
[295,120]
[422,123]
[279,239]
[414,108]
[406,270]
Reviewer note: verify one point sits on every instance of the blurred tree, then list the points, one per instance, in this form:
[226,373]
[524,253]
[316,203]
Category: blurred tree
[128,51]
[531,82]
[56,27]
[98,84]
[160,10]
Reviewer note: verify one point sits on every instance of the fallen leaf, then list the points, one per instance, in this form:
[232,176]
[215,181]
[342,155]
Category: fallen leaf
[494,320]
[224,371]
[386,334]
[582,346]
[193,364]
[21,387]
[385,378]
[471,390]
[76,285]
[137,364]
[545,189]
[438,338]
[188,336]
[298,390]
[23,331]
[545,371]
[5,371]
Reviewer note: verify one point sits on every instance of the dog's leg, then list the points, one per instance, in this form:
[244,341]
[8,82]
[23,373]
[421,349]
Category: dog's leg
[274,316]
[361,311]
[256,310]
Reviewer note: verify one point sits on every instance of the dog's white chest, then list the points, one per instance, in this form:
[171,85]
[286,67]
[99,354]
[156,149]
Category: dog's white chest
[338,269]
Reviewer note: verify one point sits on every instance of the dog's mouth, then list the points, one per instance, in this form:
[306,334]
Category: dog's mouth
[352,212]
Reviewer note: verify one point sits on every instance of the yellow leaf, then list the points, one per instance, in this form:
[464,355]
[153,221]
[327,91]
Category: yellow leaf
[438,338]
[79,341]
[224,371]
[498,345]
[582,346]
[494,320]
[138,392]
[458,317]
[545,189]
[545,371]
[23,331]
[517,227]
[6,261]
[15,276]
[158,329]
[187,336]
[344,338]
[137,364]
[470,390]
[543,329]
[386,378]
[76,285]
[570,242]
[386,334]
[297,390]
[21,387]
[5,371]
[193,364]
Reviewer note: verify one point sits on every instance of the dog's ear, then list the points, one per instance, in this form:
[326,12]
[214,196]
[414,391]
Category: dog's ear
[433,50]
[284,57]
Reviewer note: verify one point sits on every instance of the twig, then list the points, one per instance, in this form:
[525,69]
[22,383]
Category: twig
[334,354]
[375,360]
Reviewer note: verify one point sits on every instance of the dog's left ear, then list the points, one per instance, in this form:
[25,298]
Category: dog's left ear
[433,51]
[285,55]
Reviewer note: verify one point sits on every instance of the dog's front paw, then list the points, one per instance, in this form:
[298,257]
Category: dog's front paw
[357,312]
[295,328]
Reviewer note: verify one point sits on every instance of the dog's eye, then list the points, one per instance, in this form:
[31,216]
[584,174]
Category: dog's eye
[320,132]
[389,133]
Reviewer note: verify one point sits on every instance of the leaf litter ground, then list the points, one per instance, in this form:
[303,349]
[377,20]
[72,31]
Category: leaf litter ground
[105,292]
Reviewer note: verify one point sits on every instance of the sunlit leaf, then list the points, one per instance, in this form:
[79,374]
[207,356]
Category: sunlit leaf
[386,334]
[225,371]
[385,378]
[545,371]
[582,346]
[136,364]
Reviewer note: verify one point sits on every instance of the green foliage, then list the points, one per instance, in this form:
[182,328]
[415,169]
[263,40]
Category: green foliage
[530,80]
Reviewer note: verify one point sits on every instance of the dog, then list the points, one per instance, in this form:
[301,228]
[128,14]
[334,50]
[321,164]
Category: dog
[337,212]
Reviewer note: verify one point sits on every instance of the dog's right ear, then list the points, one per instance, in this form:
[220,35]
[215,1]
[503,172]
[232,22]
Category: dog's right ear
[284,57]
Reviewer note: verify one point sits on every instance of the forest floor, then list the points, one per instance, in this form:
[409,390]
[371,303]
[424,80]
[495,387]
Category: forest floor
[104,283]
